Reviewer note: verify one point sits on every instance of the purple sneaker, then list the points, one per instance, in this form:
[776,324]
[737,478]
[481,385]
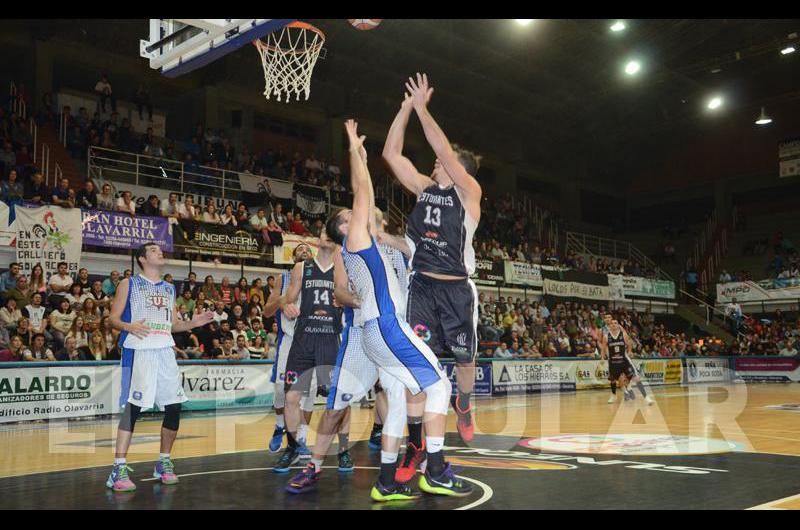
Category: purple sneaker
[118,480]
[165,470]
[304,481]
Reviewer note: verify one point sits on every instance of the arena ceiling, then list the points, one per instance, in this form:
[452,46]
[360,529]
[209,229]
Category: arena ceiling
[547,93]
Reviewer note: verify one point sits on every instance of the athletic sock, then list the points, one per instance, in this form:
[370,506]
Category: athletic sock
[388,469]
[435,455]
[415,431]
[302,431]
[163,456]
[614,387]
[291,441]
[376,428]
[279,422]
[463,400]
[119,461]
[344,441]
[640,386]
[317,464]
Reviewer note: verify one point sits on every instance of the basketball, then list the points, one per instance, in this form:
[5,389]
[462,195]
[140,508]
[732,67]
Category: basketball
[365,23]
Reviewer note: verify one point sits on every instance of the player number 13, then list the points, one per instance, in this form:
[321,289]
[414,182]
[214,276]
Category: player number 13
[433,216]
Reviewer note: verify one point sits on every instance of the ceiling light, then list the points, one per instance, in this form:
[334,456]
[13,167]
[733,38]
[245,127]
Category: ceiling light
[787,50]
[715,103]
[618,26]
[763,119]
[632,67]
[523,21]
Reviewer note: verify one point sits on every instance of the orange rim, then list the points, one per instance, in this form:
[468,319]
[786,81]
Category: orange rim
[258,43]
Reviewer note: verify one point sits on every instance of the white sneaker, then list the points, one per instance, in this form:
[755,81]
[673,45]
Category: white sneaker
[612,399]
[649,400]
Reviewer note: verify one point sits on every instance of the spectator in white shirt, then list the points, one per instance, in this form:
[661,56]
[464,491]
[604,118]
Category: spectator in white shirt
[211,215]
[170,209]
[187,210]
[61,282]
[788,350]
[125,203]
[103,89]
[724,277]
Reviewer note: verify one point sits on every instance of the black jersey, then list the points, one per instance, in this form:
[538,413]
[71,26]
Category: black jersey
[616,348]
[317,312]
[439,232]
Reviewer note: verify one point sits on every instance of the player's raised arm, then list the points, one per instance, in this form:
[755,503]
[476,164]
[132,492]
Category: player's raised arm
[288,300]
[421,94]
[401,166]
[274,300]
[395,242]
[358,237]
[138,329]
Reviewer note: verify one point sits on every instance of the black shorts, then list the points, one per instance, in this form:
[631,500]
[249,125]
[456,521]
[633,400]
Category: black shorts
[310,353]
[444,314]
[617,369]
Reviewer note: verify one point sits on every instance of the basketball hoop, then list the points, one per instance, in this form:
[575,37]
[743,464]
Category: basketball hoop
[288,57]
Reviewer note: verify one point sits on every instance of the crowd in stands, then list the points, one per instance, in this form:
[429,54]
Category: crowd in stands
[784,264]
[68,318]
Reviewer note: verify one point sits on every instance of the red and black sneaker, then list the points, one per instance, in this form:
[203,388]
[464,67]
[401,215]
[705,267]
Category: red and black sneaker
[464,424]
[413,460]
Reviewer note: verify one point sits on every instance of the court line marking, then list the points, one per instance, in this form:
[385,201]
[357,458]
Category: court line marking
[488,492]
[771,505]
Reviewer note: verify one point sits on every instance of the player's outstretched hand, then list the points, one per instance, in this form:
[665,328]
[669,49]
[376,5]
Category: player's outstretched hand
[356,141]
[408,102]
[420,91]
[291,311]
[139,329]
[201,319]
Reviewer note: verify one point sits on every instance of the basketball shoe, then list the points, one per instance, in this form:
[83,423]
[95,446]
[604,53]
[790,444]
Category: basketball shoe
[463,420]
[165,471]
[345,462]
[277,439]
[119,480]
[398,492]
[413,459]
[445,484]
[305,480]
[287,460]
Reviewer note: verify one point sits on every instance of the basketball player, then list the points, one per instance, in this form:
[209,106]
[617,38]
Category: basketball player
[615,347]
[301,252]
[143,310]
[354,374]
[390,342]
[315,344]
[442,300]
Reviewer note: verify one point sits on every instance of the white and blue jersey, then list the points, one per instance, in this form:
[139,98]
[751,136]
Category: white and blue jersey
[150,374]
[285,331]
[399,263]
[388,341]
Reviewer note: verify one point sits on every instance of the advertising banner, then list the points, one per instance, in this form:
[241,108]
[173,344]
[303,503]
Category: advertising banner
[7,234]
[56,392]
[594,373]
[616,287]
[220,386]
[488,272]
[119,230]
[259,184]
[520,377]
[521,273]
[645,287]
[768,369]
[311,200]
[783,289]
[483,378]
[218,240]
[789,158]
[576,285]
[707,370]
[283,253]
[46,236]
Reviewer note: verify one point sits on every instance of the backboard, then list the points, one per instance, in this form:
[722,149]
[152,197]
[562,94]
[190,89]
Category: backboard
[179,46]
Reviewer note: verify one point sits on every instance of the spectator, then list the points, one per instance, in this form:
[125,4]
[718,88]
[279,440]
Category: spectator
[61,321]
[15,351]
[110,284]
[10,315]
[77,332]
[60,283]
[38,352]
[105,200]
[97,347]
[502,352]
[220,316]
[72,352]
[101,300]
[210,290]
[257,290]
[36,191]
[35,312]
[240,351]
[12,191]
[21,293]
[60,195]
[170,209]
[185,303]
[91,314]
[83,280]
[151,207]
[210,215]
[187,211]
[191,284]
[298,227]
[75,297]
[87,197]
[103,90]
[125,203]
[142,100]
[8,280]
[37,282]
[258,349]
[788,349]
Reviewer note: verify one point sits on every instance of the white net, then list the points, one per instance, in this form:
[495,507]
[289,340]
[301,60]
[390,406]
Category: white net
[288,57]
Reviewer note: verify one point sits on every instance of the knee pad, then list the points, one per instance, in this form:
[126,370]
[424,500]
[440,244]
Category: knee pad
[437,396]
[129,416]
[172,417]
[395,421]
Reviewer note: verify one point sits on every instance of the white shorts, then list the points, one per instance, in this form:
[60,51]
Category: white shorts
[393,346]
[355,373]
[151,377]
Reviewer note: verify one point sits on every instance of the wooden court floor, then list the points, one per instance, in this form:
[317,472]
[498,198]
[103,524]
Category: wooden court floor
[734,419]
